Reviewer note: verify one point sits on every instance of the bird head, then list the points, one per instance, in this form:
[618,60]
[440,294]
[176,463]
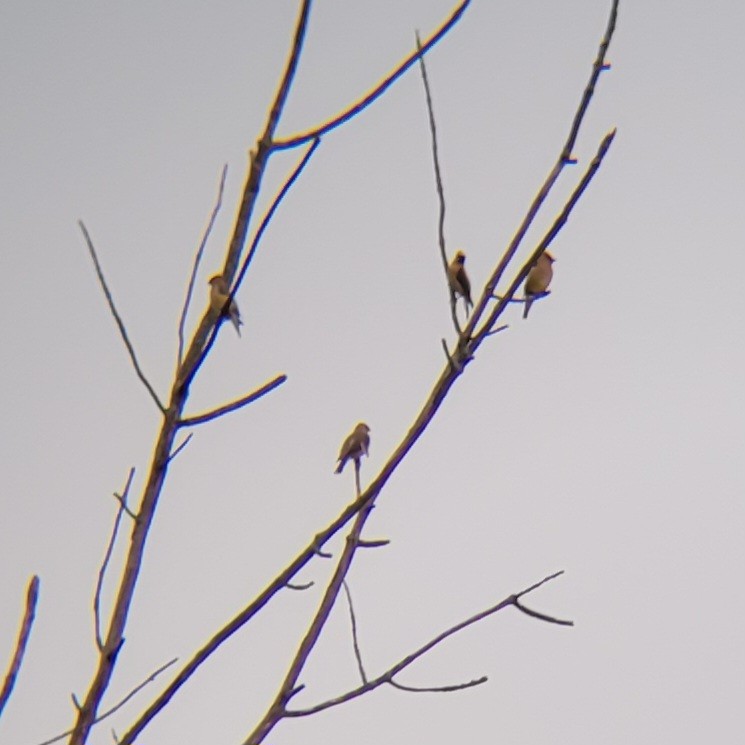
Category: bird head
[460,257]
[549,256]
[362,427]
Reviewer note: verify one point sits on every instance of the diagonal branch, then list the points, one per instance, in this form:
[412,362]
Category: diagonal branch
[547,239]
[388,675]
[118,319]
[255,243]
[195,265]
[191,421]
[438,184]
[564,158]
[360,105]
[122,499]
[32,596]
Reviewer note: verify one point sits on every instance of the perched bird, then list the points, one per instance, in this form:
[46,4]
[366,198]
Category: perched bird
[458,279]
[538,279]
[354,447]
[219,292]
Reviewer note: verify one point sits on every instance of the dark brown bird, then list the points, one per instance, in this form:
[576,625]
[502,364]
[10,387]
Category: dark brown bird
[354,447]
[538,280]
[219,293]
[458,280]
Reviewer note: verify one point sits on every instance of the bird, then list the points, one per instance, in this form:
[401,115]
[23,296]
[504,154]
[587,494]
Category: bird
[538,279]
[219,293]
[354,446]
[458,279]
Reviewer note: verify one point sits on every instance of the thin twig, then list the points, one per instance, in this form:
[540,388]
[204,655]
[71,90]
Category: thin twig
[118,319]
[192,421]
[388,675]
[440,689]
[32,596]
[360,105]
[355,640]
[299,587]
[541,616]
[439,186]
[195,265]
[121,703]
[180,447]
[543,192]
[122,499]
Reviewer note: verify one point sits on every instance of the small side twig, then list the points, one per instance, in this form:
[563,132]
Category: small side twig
[299,587]
[355,640]
[150,678]
[32,596]
[122,499]
[388,676]
[180,447]
[192,421]
[118,319]
[195,265]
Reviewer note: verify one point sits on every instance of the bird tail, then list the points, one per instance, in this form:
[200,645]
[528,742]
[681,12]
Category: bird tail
[528,303]
[236,324]
[341,465]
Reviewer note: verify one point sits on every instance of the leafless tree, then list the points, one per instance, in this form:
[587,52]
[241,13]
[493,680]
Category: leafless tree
[483,323]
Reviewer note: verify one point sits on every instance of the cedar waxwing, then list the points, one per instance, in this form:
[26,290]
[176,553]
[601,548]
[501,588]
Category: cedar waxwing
[538,279]
[219,292]
[354,447]
[458,279]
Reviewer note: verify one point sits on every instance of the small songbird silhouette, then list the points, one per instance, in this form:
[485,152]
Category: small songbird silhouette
[219,293]
[354,446]
[538,280]
[458,280]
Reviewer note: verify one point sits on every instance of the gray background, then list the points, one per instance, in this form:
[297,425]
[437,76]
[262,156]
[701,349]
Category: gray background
[603,437]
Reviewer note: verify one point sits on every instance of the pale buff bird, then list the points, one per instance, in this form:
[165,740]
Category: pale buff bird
[538,279]
[458,280]
[354,447]
[219,292]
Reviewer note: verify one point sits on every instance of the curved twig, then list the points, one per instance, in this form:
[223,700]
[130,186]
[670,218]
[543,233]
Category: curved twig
[355,640]
[438,185]
[440,689]
[358,107]
[192,421]
[118,319]
[32,596]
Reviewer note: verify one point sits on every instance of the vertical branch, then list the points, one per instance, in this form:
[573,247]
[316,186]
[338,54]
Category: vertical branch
[438,184]
[32,595]
[122,499]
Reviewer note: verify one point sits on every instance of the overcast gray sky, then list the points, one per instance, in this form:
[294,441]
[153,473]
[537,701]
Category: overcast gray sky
[604,436]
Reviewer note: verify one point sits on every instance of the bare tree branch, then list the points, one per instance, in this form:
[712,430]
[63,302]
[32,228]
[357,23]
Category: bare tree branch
[150,678]
[388,675]
[255,242]
[545,242]
[439,186]
[32,596]
[122,499]
[360,105]
[564,158]
[192,421]
[355,640]
[195,265]
[118,319]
